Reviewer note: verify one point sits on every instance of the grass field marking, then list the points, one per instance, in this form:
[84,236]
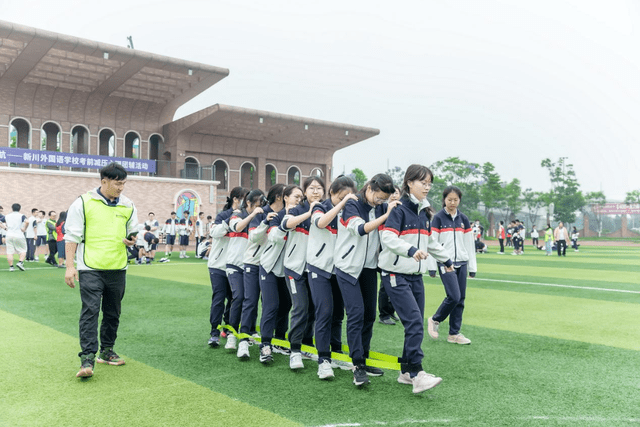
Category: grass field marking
[602,420]
[556,285]
[38,391]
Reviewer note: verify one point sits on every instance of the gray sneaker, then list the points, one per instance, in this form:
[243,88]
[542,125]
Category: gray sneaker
[214,341]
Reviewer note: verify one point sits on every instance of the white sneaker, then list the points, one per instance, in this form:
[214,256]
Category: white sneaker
[324,370]
[186,256]
[232,341]
[458,339]
[295,360]
[309,356]
[432,328]
[181,256]
[37,258]
[424,381]
[339,364]
[405,378]
[243,350]
[254,339]
[20,265]
[11,268]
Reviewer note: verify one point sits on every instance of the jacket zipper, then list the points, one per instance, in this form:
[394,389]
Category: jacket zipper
[348,252]
[321,249]
[256,252]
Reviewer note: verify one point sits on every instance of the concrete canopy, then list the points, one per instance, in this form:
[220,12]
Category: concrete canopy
[91,79]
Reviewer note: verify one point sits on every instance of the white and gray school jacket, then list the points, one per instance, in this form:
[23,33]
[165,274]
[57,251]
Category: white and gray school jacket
[456,235]
[321,244]
[257,237]
[295,253]
[272,259]
[407,230]
[219,241]
[355,249]
[238,241]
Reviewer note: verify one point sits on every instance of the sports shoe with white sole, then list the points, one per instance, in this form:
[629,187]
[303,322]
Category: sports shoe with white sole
[295,360]
[243,350]
[372,371]
[424,381]
[20,265]
[432,328]
[360,376]
[324,370]
[309,356]
[109,357]
[405,378]
[458,339]
[281,350]
[265,354]
[214,341]
[232,342]
[339,364]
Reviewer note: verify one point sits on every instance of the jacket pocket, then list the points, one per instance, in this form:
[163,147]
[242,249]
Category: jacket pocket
[292,249]
[321,249]
[267,250]
[348,252]
[219,253]
[396,261]
[256,252]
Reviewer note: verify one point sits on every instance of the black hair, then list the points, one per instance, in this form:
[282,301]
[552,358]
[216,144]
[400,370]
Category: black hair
[15,207]
[186,212]
[236,193]
[253,197]
[61,218]
[380,182]
[150,213]
[501,222]
[307,182]
[113,171]
[448,190]
[173,213]
[155,240]
[415,173]
[275,191]
[201,213]
[288,190]
[34,210]
[209,217]
[50,212]
[42,212]
[342,182]
[147,227]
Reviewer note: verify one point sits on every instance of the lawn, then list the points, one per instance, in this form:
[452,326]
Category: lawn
[556,341]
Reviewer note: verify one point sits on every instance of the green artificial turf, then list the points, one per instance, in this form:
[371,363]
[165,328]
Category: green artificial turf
[541,355]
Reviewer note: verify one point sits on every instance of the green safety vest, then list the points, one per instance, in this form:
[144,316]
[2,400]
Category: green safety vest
[51,234]
[104,228]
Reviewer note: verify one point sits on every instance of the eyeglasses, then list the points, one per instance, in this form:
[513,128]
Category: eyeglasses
[425,184]
[315,189]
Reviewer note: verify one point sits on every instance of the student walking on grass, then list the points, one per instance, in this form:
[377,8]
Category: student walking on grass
[323,283]
[548,239]
[452,228]
[356,261]
[98,228]
[406,244]
[15,225]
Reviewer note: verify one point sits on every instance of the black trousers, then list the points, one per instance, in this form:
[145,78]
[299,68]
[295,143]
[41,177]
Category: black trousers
[501,244]
[53,250]
[100,288]
[562,247]
[385,307]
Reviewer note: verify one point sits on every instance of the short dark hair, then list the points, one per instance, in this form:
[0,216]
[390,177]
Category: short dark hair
[34,210]
[307,182]
[451,189]
[43,212]
[201,213]
[274,192]
[209,217]
[15,207]
[186,212]
[113,171]
[380,182]
[150,213]
[147,227]
[173,213]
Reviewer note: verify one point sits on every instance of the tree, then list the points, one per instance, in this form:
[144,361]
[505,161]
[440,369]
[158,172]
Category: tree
[565,193]
[465,175]
[532,201]
[491,190]
[397,175]
[632,197]
[359,177]
[512,199]
[595,200]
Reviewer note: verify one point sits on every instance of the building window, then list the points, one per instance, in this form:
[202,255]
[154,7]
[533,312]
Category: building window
[247,173]
[293,176]
[221,173]
[271,175]
[107,143]
[132,145]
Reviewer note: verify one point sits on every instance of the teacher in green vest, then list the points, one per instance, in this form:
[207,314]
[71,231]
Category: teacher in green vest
[99,226]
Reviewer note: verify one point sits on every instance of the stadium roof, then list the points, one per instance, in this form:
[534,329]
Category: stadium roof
[31,55]
[264,126]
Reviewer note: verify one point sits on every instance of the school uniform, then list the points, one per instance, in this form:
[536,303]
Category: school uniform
[295,265]
[356,261]
[325,292]
[407,230]
[454,232]
[276,301]
[170,228]
[235,253]
[257,242]
[185,231]
[200,236]
[217,265]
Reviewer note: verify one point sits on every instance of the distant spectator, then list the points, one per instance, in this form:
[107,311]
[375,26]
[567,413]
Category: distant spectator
[52,238]
[501,236]
[41,233]
[60,239]
[561,234]
[574,239]
[548,239]
[30,234]
[534,236]
[15,225]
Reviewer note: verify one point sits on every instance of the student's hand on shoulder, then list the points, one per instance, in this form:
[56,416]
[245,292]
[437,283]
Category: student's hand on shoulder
[393,204]
[271,215]
[348,197]
[312,204]
[257,211]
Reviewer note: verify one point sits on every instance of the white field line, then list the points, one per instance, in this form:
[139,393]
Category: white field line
[593,419]
[556,285]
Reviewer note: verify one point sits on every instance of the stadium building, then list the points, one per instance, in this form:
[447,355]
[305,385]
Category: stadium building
[70,105]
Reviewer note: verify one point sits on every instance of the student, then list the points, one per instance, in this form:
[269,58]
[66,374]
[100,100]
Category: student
[275,295]
[356,263]
[170,229]
[200,236]
[60,231]
[548,239]
[406,244]
[258,227]
[534,236]
[238,240]
[561,234]
[323,283]
[574,239]
[41,227]
[52,238]
[15,225]
[217,262]
[385,308]
[184,229]
[30,235]
[501,235]
[153,223]
[296,224]
[451,228]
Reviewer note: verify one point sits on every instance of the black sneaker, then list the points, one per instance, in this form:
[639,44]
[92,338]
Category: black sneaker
[86,366]
[214,341]
[387,321]
[281,350]
[373,371]
[360,376]
[265,354]
[395,318]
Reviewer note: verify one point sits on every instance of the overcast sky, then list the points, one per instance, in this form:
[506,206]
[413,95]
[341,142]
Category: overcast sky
[510,82]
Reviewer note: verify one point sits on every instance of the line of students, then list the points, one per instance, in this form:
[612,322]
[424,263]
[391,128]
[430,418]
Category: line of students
[318,259]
